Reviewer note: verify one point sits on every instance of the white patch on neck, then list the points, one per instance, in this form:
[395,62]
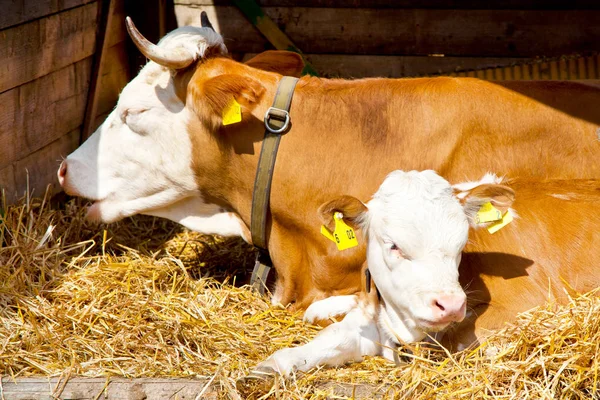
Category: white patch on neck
[396,328]
[201,217]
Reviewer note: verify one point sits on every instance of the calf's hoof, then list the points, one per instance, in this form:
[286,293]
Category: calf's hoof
[257,383]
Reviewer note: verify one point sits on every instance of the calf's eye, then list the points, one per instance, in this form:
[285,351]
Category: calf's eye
[394,247]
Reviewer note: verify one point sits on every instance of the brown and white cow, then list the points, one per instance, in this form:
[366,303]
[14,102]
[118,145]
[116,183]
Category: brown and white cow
[416,228]
[164,150]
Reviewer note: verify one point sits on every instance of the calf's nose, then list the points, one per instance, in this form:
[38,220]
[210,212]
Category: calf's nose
[449,307]
[62,172]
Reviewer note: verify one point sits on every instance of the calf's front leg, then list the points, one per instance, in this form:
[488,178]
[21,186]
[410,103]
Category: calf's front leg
[348,340]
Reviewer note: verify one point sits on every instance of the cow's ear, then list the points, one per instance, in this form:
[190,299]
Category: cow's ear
[354,211]
[280,61]
[501,197]
[215,96]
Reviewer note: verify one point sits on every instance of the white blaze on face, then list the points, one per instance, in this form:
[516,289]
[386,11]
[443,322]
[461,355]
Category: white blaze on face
[140,159]
[416,232]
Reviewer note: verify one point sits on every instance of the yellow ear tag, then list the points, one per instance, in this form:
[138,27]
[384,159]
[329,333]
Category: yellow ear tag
[232,114]
[506,219]
[343,235]
[488,213]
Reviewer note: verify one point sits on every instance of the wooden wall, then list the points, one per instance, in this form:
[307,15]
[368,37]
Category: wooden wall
[47,50]
[358,38]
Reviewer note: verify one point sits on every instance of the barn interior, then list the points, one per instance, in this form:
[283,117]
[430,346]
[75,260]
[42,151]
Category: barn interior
[144,308]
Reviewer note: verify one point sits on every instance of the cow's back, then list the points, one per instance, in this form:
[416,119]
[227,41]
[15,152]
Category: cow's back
[547,253]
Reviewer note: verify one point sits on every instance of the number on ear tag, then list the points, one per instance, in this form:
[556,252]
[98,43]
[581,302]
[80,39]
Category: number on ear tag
[506,219]
[343,235]
[232,114]
[488,213]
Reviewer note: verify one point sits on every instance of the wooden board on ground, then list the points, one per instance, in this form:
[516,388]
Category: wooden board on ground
[149,389]
[489,33]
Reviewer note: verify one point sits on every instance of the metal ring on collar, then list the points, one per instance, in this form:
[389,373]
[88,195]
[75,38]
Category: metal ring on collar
[268,115]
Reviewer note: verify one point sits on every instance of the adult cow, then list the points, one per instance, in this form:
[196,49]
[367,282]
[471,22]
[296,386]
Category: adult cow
[165,151]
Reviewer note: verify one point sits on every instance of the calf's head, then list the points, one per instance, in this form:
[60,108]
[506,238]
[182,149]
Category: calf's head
[416,227]
[147,156]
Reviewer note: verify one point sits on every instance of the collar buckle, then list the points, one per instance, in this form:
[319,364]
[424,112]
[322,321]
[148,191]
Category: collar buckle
[275,117]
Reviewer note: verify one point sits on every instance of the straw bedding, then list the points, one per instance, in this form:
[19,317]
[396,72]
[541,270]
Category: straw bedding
[145,298]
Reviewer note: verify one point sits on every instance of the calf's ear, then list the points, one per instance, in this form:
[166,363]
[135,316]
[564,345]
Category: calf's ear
[213,97]
[501,197]
[280,61]
[354,211]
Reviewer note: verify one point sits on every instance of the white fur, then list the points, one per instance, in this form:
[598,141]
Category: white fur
[465,187]
[330,307]
[345,341]
[565,197]
[139,161]
[417,212]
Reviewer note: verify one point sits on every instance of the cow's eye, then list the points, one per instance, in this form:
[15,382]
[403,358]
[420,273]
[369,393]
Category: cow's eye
[398,251]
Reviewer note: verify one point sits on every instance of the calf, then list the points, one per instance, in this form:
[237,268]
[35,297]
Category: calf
[416,229]
[547,252]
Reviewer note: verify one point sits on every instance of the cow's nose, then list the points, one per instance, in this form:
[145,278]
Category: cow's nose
[449,307]
[62,172]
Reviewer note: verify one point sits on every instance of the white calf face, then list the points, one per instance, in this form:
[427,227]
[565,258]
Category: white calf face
[416,232]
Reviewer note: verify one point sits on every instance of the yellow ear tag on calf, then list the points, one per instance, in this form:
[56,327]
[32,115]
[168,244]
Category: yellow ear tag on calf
[506,219]
[343,235]
[488,213]
[232,114]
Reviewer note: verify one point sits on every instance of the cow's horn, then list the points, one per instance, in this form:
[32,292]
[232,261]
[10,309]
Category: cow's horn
[170,58]
[204,21]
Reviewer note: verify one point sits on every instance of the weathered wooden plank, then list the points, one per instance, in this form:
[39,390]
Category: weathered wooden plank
[100,119]
[493,33]
[7,184]
[41,111]
[38,48]
[115,75]
[35,49]
[349,66]
[154,389]
[440,4]
[270,30]
[16,12]
[109,388]
[583,68]
[117,31]
[113,80]
[41,166]
[107,10]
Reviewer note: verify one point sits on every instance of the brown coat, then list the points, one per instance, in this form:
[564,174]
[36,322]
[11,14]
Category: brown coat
[347,135]
[549,252]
